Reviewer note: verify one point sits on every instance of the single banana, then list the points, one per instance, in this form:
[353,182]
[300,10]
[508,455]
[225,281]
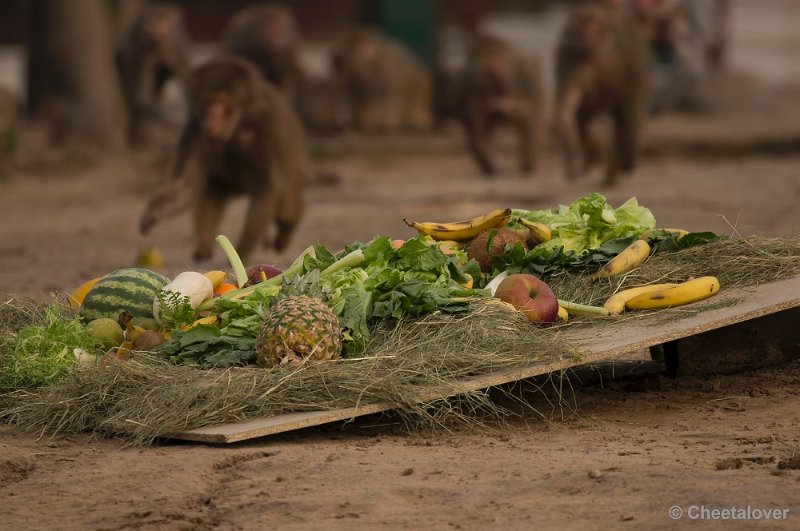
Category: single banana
[133,331]
[685,293]
[616,303]
[462,230]
[563,314]
[628,259]
[539,232]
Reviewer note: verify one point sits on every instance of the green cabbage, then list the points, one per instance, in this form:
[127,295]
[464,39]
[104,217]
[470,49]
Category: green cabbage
[588,223]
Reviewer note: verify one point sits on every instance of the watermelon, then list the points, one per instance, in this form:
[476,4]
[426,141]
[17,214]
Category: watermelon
[131,289]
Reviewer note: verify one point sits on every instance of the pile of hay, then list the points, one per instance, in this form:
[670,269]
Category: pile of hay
[736,262]
[147,396]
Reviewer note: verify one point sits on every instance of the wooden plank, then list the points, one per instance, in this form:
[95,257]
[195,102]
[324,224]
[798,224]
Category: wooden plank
[595,343]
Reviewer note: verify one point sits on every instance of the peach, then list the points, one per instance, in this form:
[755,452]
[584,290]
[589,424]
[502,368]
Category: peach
[529,295]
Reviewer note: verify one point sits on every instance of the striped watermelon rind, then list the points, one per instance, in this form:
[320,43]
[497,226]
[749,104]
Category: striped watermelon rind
[131,289]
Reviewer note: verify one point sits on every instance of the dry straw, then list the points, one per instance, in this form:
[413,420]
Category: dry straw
[736,262]
[147,396]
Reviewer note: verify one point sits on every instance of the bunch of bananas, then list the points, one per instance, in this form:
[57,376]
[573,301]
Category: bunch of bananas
[464,231]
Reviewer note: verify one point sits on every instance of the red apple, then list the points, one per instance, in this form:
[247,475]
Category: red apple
[254,273]
[529,295]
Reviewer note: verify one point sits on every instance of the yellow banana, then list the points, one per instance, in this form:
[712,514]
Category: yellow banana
[689,291]
[629,258]
[539,232]
[616,303]
[462,230]
[133,331]
[124,349]
[563,314]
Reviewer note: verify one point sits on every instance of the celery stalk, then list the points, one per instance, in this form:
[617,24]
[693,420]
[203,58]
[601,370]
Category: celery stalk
[583,309]
[352,259]
[235,260]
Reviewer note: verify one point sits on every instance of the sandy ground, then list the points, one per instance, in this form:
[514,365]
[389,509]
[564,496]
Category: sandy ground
[623,446]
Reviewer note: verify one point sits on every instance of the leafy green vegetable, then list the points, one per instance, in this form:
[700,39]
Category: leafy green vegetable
[413,280]
[587,230]
[257,303]
[42,354]
[209,346]
[589,222]
[364,283]
[175,309]
[661,240]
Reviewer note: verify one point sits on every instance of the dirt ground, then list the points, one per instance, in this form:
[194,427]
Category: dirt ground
[619,452]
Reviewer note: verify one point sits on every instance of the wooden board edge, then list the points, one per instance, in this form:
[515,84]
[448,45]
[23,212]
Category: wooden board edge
[239,431]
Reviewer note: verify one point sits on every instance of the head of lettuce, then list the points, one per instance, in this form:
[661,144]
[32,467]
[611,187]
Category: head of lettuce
[580,229]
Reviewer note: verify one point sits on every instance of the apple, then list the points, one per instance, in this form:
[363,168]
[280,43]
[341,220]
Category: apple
[254,273]
[477,248]
[529,295]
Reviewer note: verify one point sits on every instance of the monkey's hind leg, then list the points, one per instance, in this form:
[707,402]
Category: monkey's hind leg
[290,211]
[260,215]
[207,215]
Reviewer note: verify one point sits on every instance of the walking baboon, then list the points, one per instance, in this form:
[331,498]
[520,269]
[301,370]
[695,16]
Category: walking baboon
[503,85]
[385,87]
[154,50]
[242,138]
[602,67]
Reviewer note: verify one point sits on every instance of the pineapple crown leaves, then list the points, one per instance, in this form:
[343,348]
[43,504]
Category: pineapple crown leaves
[308,284]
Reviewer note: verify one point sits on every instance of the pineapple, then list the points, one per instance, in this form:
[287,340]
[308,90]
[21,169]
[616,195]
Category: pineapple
[298,328]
